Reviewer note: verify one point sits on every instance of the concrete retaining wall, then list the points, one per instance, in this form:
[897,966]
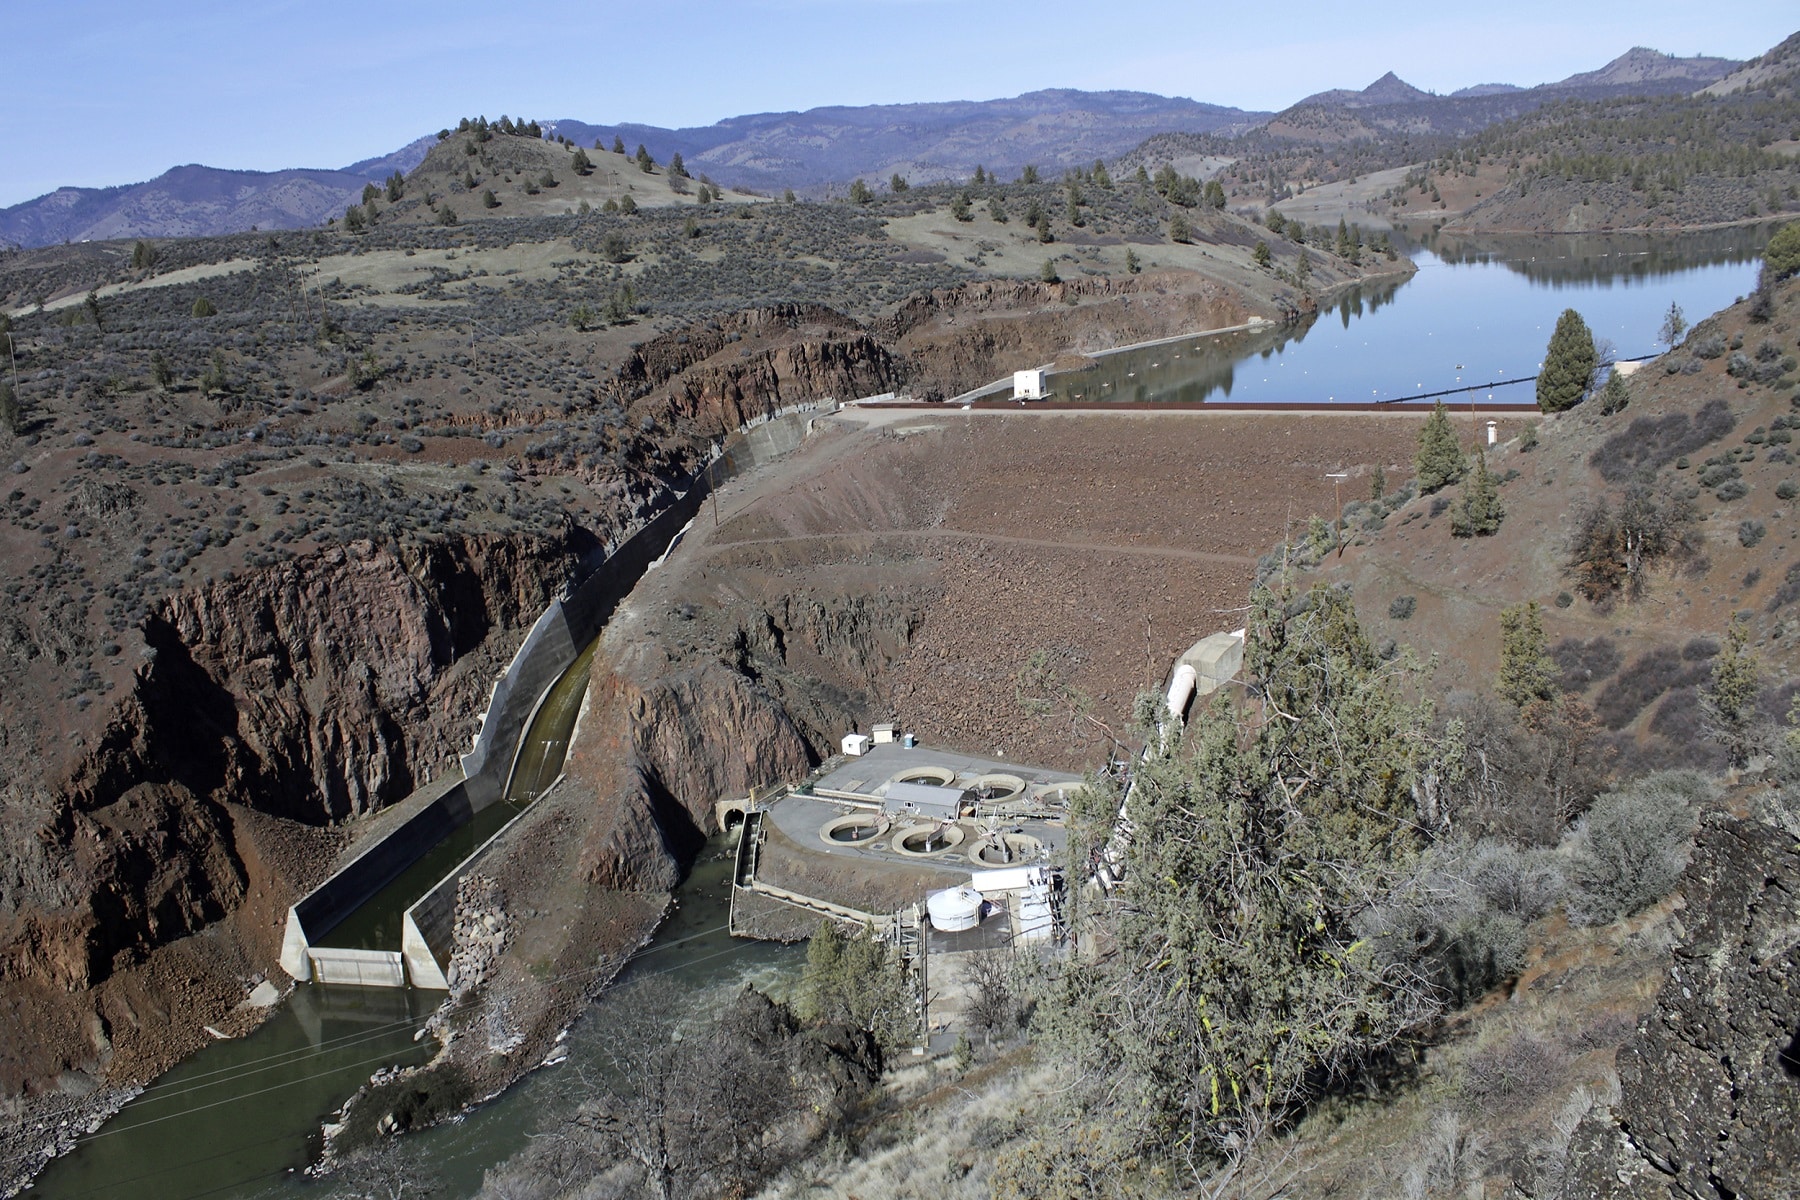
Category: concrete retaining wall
[549,648]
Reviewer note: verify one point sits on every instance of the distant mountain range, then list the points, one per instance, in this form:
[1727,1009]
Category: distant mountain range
[926,143]
[813,150]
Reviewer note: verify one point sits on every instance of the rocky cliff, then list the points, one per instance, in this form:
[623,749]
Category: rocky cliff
[312,691]
[1709,1081]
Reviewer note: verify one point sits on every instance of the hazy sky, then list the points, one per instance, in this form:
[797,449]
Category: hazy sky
[102,92]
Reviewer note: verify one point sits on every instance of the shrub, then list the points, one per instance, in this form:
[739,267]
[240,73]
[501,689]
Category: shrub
[1789,591]
[1649,443]
[1581,664]
[1402,607]
[1630,848]
[1639,685]
[1512,1070]
[1785,490]
[1750,532]
[1735,489]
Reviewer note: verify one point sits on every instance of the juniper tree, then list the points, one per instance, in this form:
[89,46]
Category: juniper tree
[618,145]
[1439,460]
[161,373]
[1237,986]
[1568,364]
[1132,265]
[858,980]
[677,168]
[1527,673]
[997,210]
[1615,395]
[1178,229]
[860,193]
[578,162]
[1782,257]
[1260,254]
[897,184]
[1478,511]
[1728,701]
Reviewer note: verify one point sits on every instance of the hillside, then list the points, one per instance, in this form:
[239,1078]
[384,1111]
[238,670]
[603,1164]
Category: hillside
[1339,136]
[190,201]
[925,143]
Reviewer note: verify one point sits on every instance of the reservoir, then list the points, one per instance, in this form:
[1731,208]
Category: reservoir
[241,1118]
[1476,312]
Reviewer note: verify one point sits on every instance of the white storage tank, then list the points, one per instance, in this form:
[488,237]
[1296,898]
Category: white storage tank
[954,909]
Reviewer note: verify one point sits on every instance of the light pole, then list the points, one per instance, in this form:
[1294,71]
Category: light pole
[1337,492]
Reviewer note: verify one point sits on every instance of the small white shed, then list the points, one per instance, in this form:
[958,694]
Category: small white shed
[856,743]
[885,732]
[1028,385]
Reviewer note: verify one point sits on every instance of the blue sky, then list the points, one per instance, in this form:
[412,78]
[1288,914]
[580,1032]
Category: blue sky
[102,92]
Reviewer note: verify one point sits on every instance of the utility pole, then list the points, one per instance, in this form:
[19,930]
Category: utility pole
[1337,491]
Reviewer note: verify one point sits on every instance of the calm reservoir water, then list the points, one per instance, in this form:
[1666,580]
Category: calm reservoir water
[1476,312]
[239,1119]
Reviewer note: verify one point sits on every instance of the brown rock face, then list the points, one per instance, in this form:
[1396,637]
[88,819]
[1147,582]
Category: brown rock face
[1709,1082]
[660,754]
[313,691]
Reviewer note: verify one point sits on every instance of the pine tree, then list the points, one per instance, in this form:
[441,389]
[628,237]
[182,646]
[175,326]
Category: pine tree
[618,145]
[860,193]
[161,373]
[1047,272]
[677,168]
[645,163]
[578,162]
[1674,324]
[488,199]
[143,256]
[627,205]
[1045,237]
[1477,512]
[1029,174]
[1728,701]
[1261,254]
[1439,460]
[396,186]
[1132,265]
[997,210]
[1178,229]
[1527,674]
[1568,364]
[959,207]
[897,184]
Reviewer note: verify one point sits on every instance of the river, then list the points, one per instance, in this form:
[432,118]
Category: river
[240,1119]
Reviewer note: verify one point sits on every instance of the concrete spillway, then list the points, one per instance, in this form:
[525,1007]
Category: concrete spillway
[404,882]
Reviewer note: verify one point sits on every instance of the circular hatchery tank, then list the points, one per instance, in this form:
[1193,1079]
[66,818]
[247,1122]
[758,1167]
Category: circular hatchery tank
[928,775]
[853,829]
[1058,794]
[996,789]
[1018,848]
[924,841]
